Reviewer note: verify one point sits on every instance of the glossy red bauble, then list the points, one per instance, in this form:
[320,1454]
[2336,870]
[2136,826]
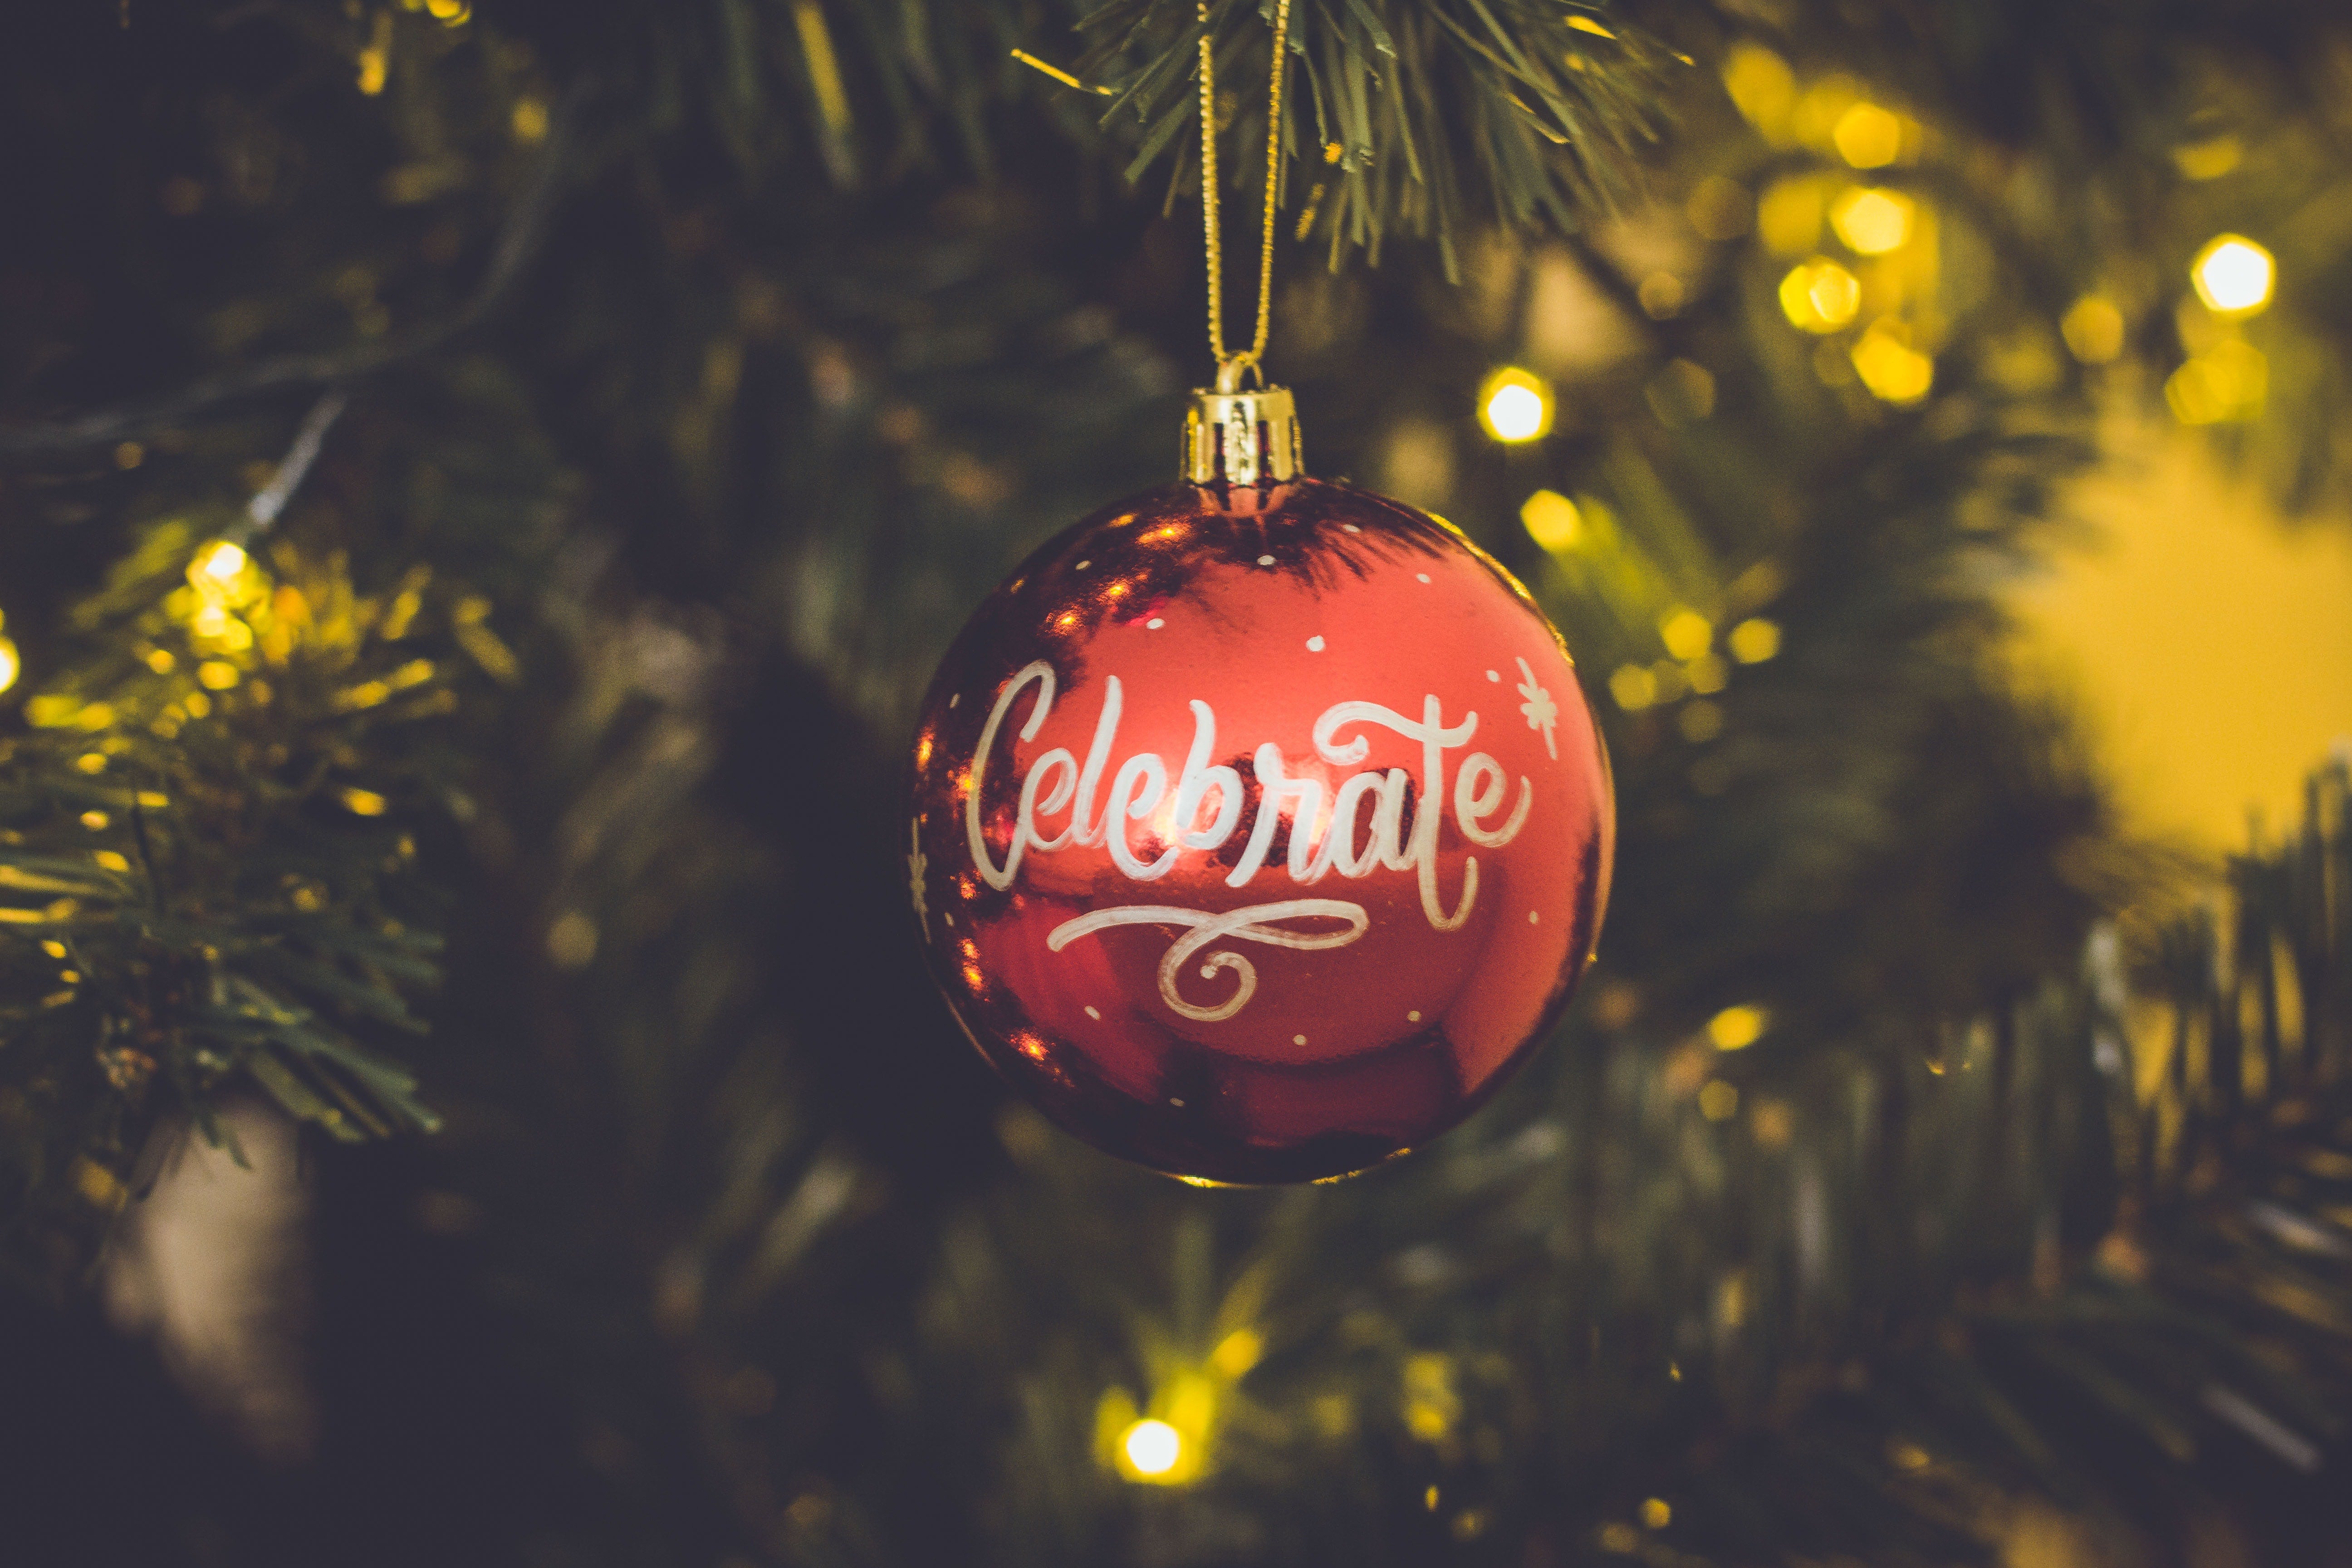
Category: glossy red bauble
[1259,830]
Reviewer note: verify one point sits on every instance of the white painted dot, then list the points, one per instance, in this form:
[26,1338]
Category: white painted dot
[1351,527]
[1154,624]
[1314,645]
[1095,1015]
[955,698]
[1492,675]
[1176,1102]
[1084,565]
[1412,1017]
[1268,561]
[946,916]
[1533,917]
[1297,1039]
[1421,576]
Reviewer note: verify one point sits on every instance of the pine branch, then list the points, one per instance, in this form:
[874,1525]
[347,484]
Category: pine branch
[518,242]
[1427,116]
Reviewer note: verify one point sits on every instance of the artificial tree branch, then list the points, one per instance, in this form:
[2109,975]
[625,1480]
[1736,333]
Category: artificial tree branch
[519,238]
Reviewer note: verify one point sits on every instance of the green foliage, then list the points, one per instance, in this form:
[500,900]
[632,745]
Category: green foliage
[207,874]
[685,334]
[1424,119]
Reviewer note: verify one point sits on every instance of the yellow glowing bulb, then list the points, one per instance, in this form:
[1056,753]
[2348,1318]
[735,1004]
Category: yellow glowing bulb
[1821,296]
[10,666]
[1868,137]
[1152,1448]
[1892,370]
[1686,634]
[1872,221]
[2094,329]
[220,562]
[1754,641]
[1737,1029]
[1551,519]
[2234,276]
[1515,406]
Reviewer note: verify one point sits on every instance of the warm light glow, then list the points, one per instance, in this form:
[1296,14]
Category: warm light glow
[1552,520]
[1237,1353]
[1633,687]
[1152,1448]
[1892,370]
[1737,1029]
[1719,1102]
[2094,329]
[1868,137]
[218,562]
[1762,85]
[364,803]
[1656,1513]
[1820,295]
[1514,405]
[1686,634]
[10,665]
[2229,381]
[1873,221]
[2234,276]
[1754,641]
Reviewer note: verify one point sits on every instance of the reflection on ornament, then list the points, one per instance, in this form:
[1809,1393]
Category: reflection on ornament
[1235,845]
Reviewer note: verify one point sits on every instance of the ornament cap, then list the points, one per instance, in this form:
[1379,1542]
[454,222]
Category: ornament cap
[1241,438]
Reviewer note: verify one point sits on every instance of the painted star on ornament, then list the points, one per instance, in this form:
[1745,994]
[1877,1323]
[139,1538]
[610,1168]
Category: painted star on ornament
[1541,710]
[917,861]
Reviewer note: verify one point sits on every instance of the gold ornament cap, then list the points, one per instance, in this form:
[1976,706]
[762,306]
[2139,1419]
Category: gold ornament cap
[1241,438]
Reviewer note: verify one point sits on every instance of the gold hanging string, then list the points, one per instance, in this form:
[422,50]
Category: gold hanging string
[1230,366]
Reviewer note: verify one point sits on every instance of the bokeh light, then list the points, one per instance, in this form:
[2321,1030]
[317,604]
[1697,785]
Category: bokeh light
[1737,1029]
[2234,276]
[1551,519]
[1869,137]
[1819,295]
[10,665]
[1152,1448]
[2094,329]
[1754,640]
[218,562]
[1892,370]
[1514,405]
[1873,221]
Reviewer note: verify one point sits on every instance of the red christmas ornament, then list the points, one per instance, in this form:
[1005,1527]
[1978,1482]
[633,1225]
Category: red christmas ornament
[1260,826]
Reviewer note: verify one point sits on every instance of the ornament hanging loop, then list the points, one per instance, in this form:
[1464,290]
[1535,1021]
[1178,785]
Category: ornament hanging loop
[1229,365]
[1233,437]
[1231,369]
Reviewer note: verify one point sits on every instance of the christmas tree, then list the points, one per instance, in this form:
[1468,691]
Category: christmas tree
[484,491]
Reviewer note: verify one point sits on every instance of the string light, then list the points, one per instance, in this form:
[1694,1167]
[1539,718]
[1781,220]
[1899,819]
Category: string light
[1868,137]
[10,665]
[1152,1448]
[2234,276]
[1515,406]
[1551,519]
[1820,295]
[1754,640]
[1686,634]
[1892,370]
[2094,329]
[218,563]
[1873,221]
[1737,1029]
